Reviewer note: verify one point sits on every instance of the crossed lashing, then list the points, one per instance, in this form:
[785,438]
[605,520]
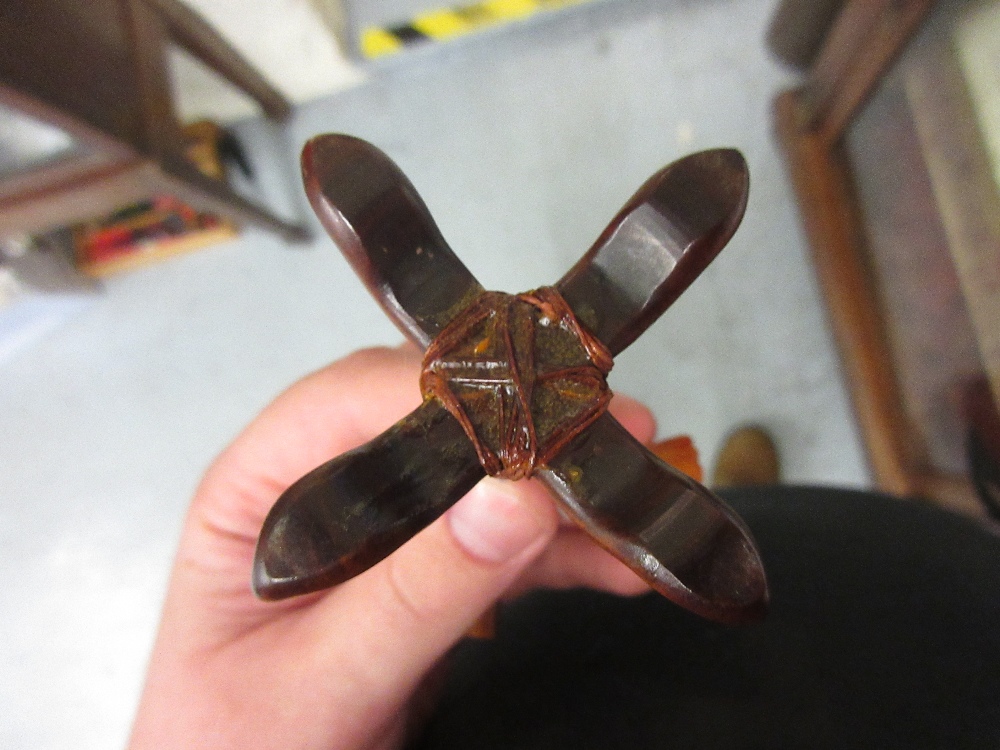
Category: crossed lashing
[514,386]
[501,366]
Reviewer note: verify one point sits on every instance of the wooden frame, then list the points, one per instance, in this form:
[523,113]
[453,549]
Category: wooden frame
[98,70]
[811,121]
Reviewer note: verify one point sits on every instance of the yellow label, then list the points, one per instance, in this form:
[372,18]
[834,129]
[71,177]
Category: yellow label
[376,42]
[508,9]
[441,24]
[448,23]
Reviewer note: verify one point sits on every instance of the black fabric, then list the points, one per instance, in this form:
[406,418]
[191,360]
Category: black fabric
[884,632]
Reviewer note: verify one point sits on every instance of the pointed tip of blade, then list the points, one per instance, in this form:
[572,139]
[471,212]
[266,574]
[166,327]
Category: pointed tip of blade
[727,158]
[321,148]
[319,158]
[719,575]
[730,585]
[344,171]
[264,586]
[726,164]
[312,153]
[658,244]
[723,579]
[294,554]
[324,156]
[709,191]
[683,540]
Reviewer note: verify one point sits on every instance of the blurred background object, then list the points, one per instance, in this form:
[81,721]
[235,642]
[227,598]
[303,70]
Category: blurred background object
[89,128]
[891,143]
[99,72]
[799,28]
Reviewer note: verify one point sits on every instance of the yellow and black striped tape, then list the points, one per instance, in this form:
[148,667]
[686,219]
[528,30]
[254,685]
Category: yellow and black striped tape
[449,23]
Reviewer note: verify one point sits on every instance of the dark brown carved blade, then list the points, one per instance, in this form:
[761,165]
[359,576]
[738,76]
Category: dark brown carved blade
[386,233]
[351,512]
[663,238]
[669,529]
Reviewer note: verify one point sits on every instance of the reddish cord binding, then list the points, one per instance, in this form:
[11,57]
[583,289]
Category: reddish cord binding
[521,375]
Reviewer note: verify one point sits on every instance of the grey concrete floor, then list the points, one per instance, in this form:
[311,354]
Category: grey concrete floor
[524,143]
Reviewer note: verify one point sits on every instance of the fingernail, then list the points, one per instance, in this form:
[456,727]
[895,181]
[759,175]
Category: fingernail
[494,523]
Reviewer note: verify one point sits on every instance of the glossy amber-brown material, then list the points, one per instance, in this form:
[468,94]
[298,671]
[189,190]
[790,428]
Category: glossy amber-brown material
[520,375]
[515,386]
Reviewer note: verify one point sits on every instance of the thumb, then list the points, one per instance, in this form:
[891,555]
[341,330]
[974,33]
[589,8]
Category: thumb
[403,614]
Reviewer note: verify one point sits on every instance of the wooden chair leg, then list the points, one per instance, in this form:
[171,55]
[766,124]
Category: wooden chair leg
[191,32]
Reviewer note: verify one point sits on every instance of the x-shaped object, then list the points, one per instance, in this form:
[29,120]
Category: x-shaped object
[514,386]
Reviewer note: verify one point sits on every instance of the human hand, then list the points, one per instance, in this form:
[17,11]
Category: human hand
[341,668]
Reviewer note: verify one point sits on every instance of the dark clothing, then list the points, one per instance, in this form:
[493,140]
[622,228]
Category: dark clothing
[884,632]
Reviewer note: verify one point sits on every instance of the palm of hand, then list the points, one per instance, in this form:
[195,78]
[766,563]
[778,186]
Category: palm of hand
[340,668]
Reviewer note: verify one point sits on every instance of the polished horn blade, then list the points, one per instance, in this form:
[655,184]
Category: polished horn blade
[662,239]
[683,540]
[385,231]
[351,512]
